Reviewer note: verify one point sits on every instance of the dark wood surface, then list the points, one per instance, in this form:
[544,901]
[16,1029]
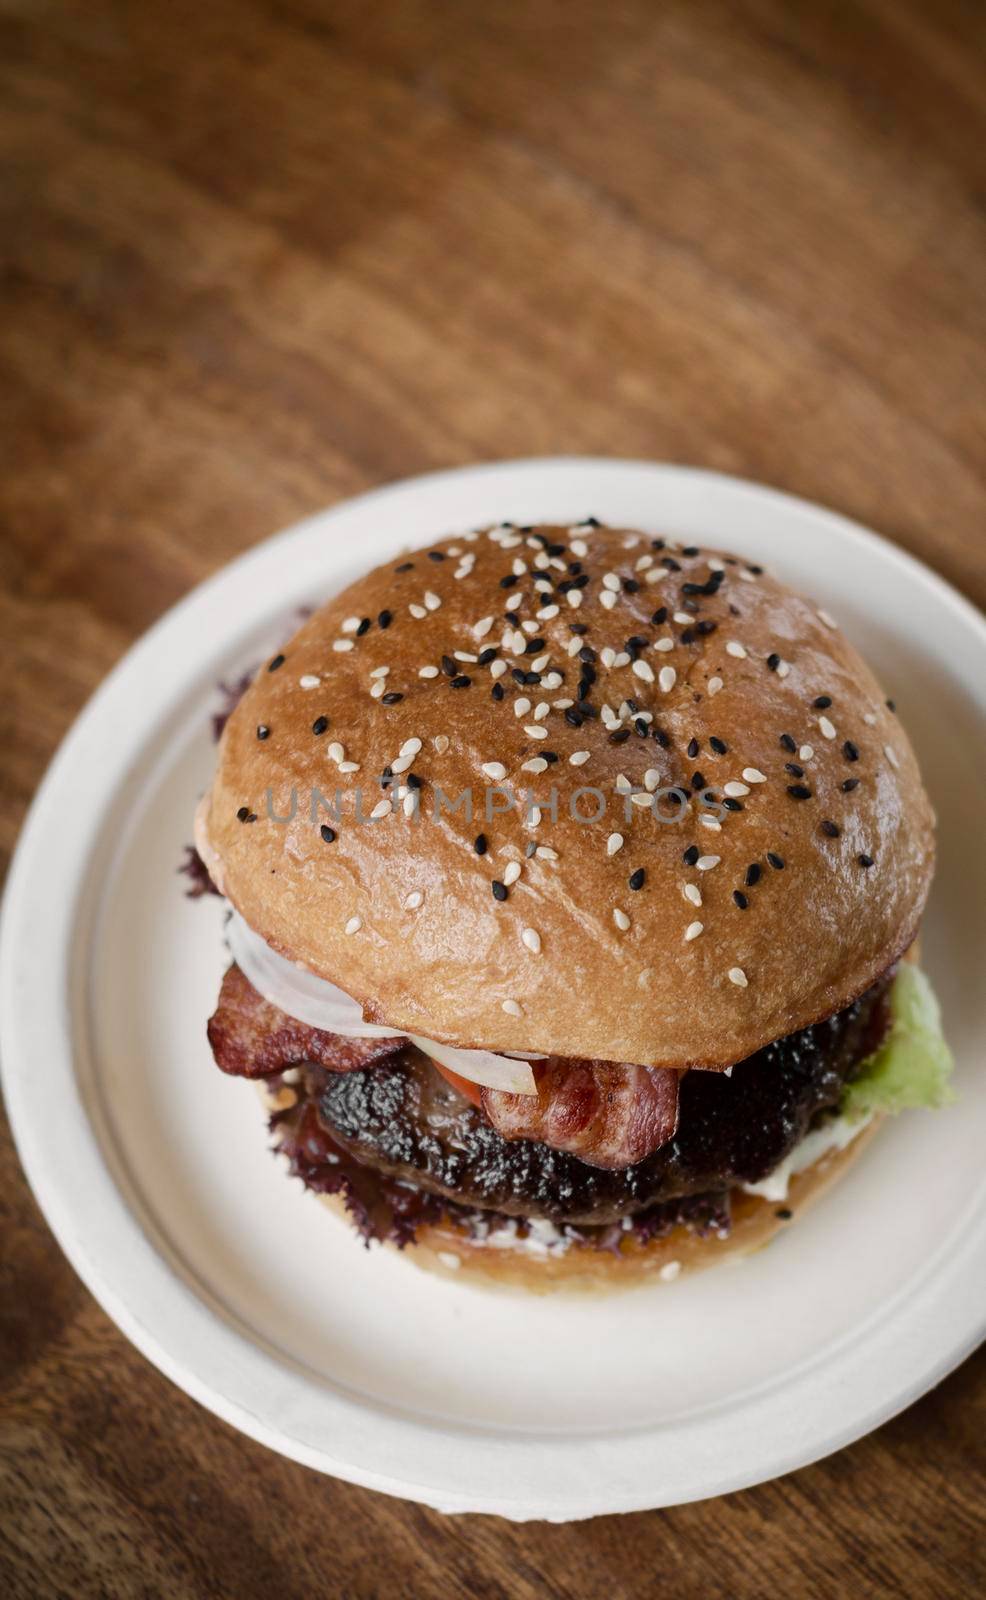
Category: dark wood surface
[259,254]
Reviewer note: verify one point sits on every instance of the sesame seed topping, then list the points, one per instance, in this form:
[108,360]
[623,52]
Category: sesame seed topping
[715,684]
[690,856]
[427,672]
[532,939]
[738,976]
[413,900]
[512,1008]
[734,648]
[342,644]
[799,791]
[830,829]
[706,863]
[865,860]
[499,889]
[753,775]
[666,679]
[693,930]
[848,785]
[735,789]
[263,732]
[327,833]
[278,661]
[621,919]
[354,924]
[829,621]
[309,681]
[511,872]
[777,862]
[892,757]
[432,600]
[787,743]
[578,758]
[827,727]
[381,809]
[636,879]
[494,770]
[692,893]
[806,752]
[536,764]
[320,724]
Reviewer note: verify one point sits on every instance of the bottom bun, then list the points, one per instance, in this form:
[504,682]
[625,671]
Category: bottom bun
[503,1260]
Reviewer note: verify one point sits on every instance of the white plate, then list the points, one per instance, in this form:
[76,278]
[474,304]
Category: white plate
[153,1168]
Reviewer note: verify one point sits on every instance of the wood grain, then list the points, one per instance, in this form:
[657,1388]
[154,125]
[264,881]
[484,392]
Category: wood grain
[260,254]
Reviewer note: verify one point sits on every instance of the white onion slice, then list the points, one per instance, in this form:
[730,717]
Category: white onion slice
[320,1004]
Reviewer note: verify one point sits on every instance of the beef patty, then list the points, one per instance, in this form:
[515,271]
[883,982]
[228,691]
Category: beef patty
[400,1118]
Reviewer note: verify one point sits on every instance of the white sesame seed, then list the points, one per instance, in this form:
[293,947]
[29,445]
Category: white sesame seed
[611,582]
[706,863]
[354,924]
[652,779]
[892,757]
[664,645]
[693,930]
[654,574]
[532,939]
[552,680]
[413,900]
[541,710]
[614,843]
[715,565]
[715,684]
[574,645]
[482,628]
[342,644]
[309,681]
[734,648]
[495,770]
[621,919]
[336,752]
[519,567]
[377,689]
[547,612]
[350,624]
[514,600]
[579,547]
[708,821]
[643,669]
[536,764]
[518,643]
[427,672]
[869,718]
[401,764]
[546,852]
[511,872]
[410,802]
[608,599]
[348,766]
[782,669]
[381,809]
[521,707]
[738,976]
[578,758]
[806,752]
[623,784]
[827,727]
[441,743]
[562,705]
[432,600]
[623,660]
[497,669]
[410,747]
[829,621]
[534,730]
[512,1008]
[607,655]
[685,617]
[417,611]
[734,789]
[666,679]
[642,563]
[692,892]
[640,800]
[753,775]
[380,672]
[542,559]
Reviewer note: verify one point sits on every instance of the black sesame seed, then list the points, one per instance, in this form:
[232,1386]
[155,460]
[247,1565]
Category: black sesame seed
[510,581]
[587,653]
[530,848]
[773,661]
[461,681]
[572,717]
[706,627]
[578,627]
[793,768]
[830,829]
[436,555]
[798,791]
[631,585]
[531,677]
[660,737]
[660,615]
[891,705]
[757,571]
[636,879]
[586,709]
[865,860]
[698,780]
[740,899]
[499,890]
[413,781]
[591,522]
[243,813]
[753,872]
[385,619]
[671,564]
[718,745]
[549,755]
[581,583]
[320,724]
[487,655]
[620,736]
[640,727]
[263,732]
[686,636]
[518,674]
[788,743]
[690,550]
[364,627]
[776,861]
[391,699]
[449,666]
[850,751]
[533,646]
[784,1215]
[405,566]
[497,691]
[328,834]
[690,856]
[658,544]
[731,804]
[278,661]
[822,702]
[693,748]
[848,785]
[481,844]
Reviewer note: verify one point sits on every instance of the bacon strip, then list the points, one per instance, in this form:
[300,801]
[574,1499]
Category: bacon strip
[252,1039]
[609,1114]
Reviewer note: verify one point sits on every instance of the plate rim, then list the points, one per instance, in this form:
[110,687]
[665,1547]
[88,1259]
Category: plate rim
[579,1498]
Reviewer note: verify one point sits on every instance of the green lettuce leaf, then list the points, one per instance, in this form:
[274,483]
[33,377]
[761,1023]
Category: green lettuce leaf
[913,1064]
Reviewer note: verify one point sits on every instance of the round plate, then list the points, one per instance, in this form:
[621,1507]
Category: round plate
[154,1172]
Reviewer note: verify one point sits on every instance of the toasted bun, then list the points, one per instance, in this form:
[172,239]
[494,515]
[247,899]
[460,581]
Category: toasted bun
[449,1251]
[401,913]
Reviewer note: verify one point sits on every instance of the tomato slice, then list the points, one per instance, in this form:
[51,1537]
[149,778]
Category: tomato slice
[465,1086]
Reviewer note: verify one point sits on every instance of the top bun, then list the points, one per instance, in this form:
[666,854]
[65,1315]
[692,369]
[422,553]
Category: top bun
[608,938]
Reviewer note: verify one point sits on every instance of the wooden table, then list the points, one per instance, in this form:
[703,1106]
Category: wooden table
[261,254]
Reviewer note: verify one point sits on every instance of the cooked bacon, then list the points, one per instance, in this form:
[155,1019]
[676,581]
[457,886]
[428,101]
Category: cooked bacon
[608,1113]
[252,1039]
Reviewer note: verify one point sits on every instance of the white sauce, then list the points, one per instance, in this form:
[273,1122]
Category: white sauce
[834,1135]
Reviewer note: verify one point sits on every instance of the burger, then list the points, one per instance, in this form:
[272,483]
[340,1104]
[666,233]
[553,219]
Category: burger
[574,880]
